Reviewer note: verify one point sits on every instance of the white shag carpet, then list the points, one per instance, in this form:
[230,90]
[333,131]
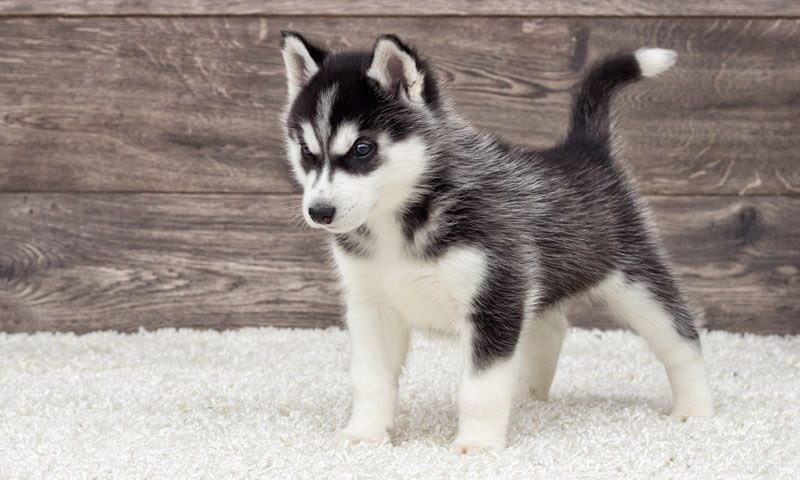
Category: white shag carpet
[265,403]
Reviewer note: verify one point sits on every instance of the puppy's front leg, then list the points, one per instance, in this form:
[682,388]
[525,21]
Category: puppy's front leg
[490,376]
[380,342]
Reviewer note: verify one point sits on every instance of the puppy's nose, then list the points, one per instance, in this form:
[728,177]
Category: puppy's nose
[321,214]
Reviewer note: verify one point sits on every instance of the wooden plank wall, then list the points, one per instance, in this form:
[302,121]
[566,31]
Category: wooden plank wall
[142,179]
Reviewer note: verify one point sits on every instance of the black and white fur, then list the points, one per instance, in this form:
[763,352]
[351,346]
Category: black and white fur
[444,227]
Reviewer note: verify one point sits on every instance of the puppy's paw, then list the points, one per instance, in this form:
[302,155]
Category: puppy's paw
[540,392]
[681,413]
[354,434]
[470,446]
[696,404]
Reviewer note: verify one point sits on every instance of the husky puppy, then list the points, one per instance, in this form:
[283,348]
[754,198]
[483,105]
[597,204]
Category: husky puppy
[437,225]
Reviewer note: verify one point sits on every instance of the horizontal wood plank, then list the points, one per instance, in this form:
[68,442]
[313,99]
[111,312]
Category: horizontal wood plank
[192,104]
[85,262]
[80,262]
[735,8]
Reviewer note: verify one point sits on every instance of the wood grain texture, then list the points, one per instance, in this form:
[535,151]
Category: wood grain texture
[191,104]
[83,262]
[80,262]
[737,8]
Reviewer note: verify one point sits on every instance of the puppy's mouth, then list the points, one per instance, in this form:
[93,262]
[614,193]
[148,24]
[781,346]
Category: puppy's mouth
[332,228]
[337,230]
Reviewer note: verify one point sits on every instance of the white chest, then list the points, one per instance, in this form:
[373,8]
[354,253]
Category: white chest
[433,295]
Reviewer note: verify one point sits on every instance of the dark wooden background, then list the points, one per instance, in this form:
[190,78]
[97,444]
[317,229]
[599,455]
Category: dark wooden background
[142,179]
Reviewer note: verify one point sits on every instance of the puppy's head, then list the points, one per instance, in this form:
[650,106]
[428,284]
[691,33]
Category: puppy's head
[353,128]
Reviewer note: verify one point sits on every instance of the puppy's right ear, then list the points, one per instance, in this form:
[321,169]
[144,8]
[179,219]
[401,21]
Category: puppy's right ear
[302,59]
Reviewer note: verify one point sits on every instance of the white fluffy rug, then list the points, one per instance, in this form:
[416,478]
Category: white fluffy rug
[265,403]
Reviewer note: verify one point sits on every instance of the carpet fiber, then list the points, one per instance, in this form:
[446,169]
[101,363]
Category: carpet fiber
[265,403]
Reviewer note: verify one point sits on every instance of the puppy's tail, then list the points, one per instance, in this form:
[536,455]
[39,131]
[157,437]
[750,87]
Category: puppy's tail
[590,113]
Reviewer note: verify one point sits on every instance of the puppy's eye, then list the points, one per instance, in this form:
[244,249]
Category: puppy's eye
[362,149]
[306,151]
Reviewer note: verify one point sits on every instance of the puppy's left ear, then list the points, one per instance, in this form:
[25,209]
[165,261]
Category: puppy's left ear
[398,70]
[302,59]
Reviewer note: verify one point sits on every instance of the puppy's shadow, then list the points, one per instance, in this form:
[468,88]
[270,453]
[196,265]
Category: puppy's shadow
[595,403]
[436,419]
[430,419]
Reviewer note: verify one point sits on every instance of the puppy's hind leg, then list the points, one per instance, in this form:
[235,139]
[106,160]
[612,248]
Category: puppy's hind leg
[656,309]
[539,348]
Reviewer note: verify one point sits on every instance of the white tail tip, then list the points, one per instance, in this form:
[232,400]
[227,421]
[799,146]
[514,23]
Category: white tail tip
[653,61]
